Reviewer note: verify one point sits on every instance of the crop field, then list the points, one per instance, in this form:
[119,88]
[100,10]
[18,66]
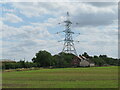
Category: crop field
[92,77]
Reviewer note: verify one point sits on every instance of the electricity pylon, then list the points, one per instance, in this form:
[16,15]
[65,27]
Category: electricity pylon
[68,41]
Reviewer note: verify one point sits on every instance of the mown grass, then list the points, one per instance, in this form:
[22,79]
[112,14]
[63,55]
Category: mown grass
[93,77]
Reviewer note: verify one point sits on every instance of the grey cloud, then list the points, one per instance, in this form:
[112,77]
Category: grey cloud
[84,13]
[102,4]
[94,19]
[104,43]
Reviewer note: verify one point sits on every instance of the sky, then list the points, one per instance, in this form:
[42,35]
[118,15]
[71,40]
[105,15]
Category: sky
[28,27]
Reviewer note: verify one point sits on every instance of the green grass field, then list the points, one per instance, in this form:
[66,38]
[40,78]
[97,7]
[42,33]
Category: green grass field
[93,77]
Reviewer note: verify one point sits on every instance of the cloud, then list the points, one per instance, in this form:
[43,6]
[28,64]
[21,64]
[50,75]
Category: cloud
[86,14]
[90,15]
[102,4]
[27,39]
[96,40]
[30,9]
[9,17]
[98,31]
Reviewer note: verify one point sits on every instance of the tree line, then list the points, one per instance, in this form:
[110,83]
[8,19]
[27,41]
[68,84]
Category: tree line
[45,59]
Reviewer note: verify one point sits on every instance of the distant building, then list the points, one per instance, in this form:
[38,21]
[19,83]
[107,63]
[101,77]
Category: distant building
[82,61]
[75,61]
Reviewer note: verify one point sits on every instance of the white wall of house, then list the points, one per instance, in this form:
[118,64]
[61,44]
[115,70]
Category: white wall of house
[84,63]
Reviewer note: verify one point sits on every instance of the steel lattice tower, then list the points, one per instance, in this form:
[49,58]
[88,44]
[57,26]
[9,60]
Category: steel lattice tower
[68,41]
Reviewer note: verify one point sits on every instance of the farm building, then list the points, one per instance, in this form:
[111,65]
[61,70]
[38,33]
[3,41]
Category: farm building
[82,61]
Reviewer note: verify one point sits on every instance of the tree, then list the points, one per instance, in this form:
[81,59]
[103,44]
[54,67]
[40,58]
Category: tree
[63,59]
[21,64]
[103,56]
[86,55]
[43,59]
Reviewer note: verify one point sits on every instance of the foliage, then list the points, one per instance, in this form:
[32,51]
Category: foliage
[86,55]
[45,59]
[63,59]
[104,60]
[20,64]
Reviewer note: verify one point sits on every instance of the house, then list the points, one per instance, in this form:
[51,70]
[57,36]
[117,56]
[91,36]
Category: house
[75,62]
[81,61]
[84,63]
